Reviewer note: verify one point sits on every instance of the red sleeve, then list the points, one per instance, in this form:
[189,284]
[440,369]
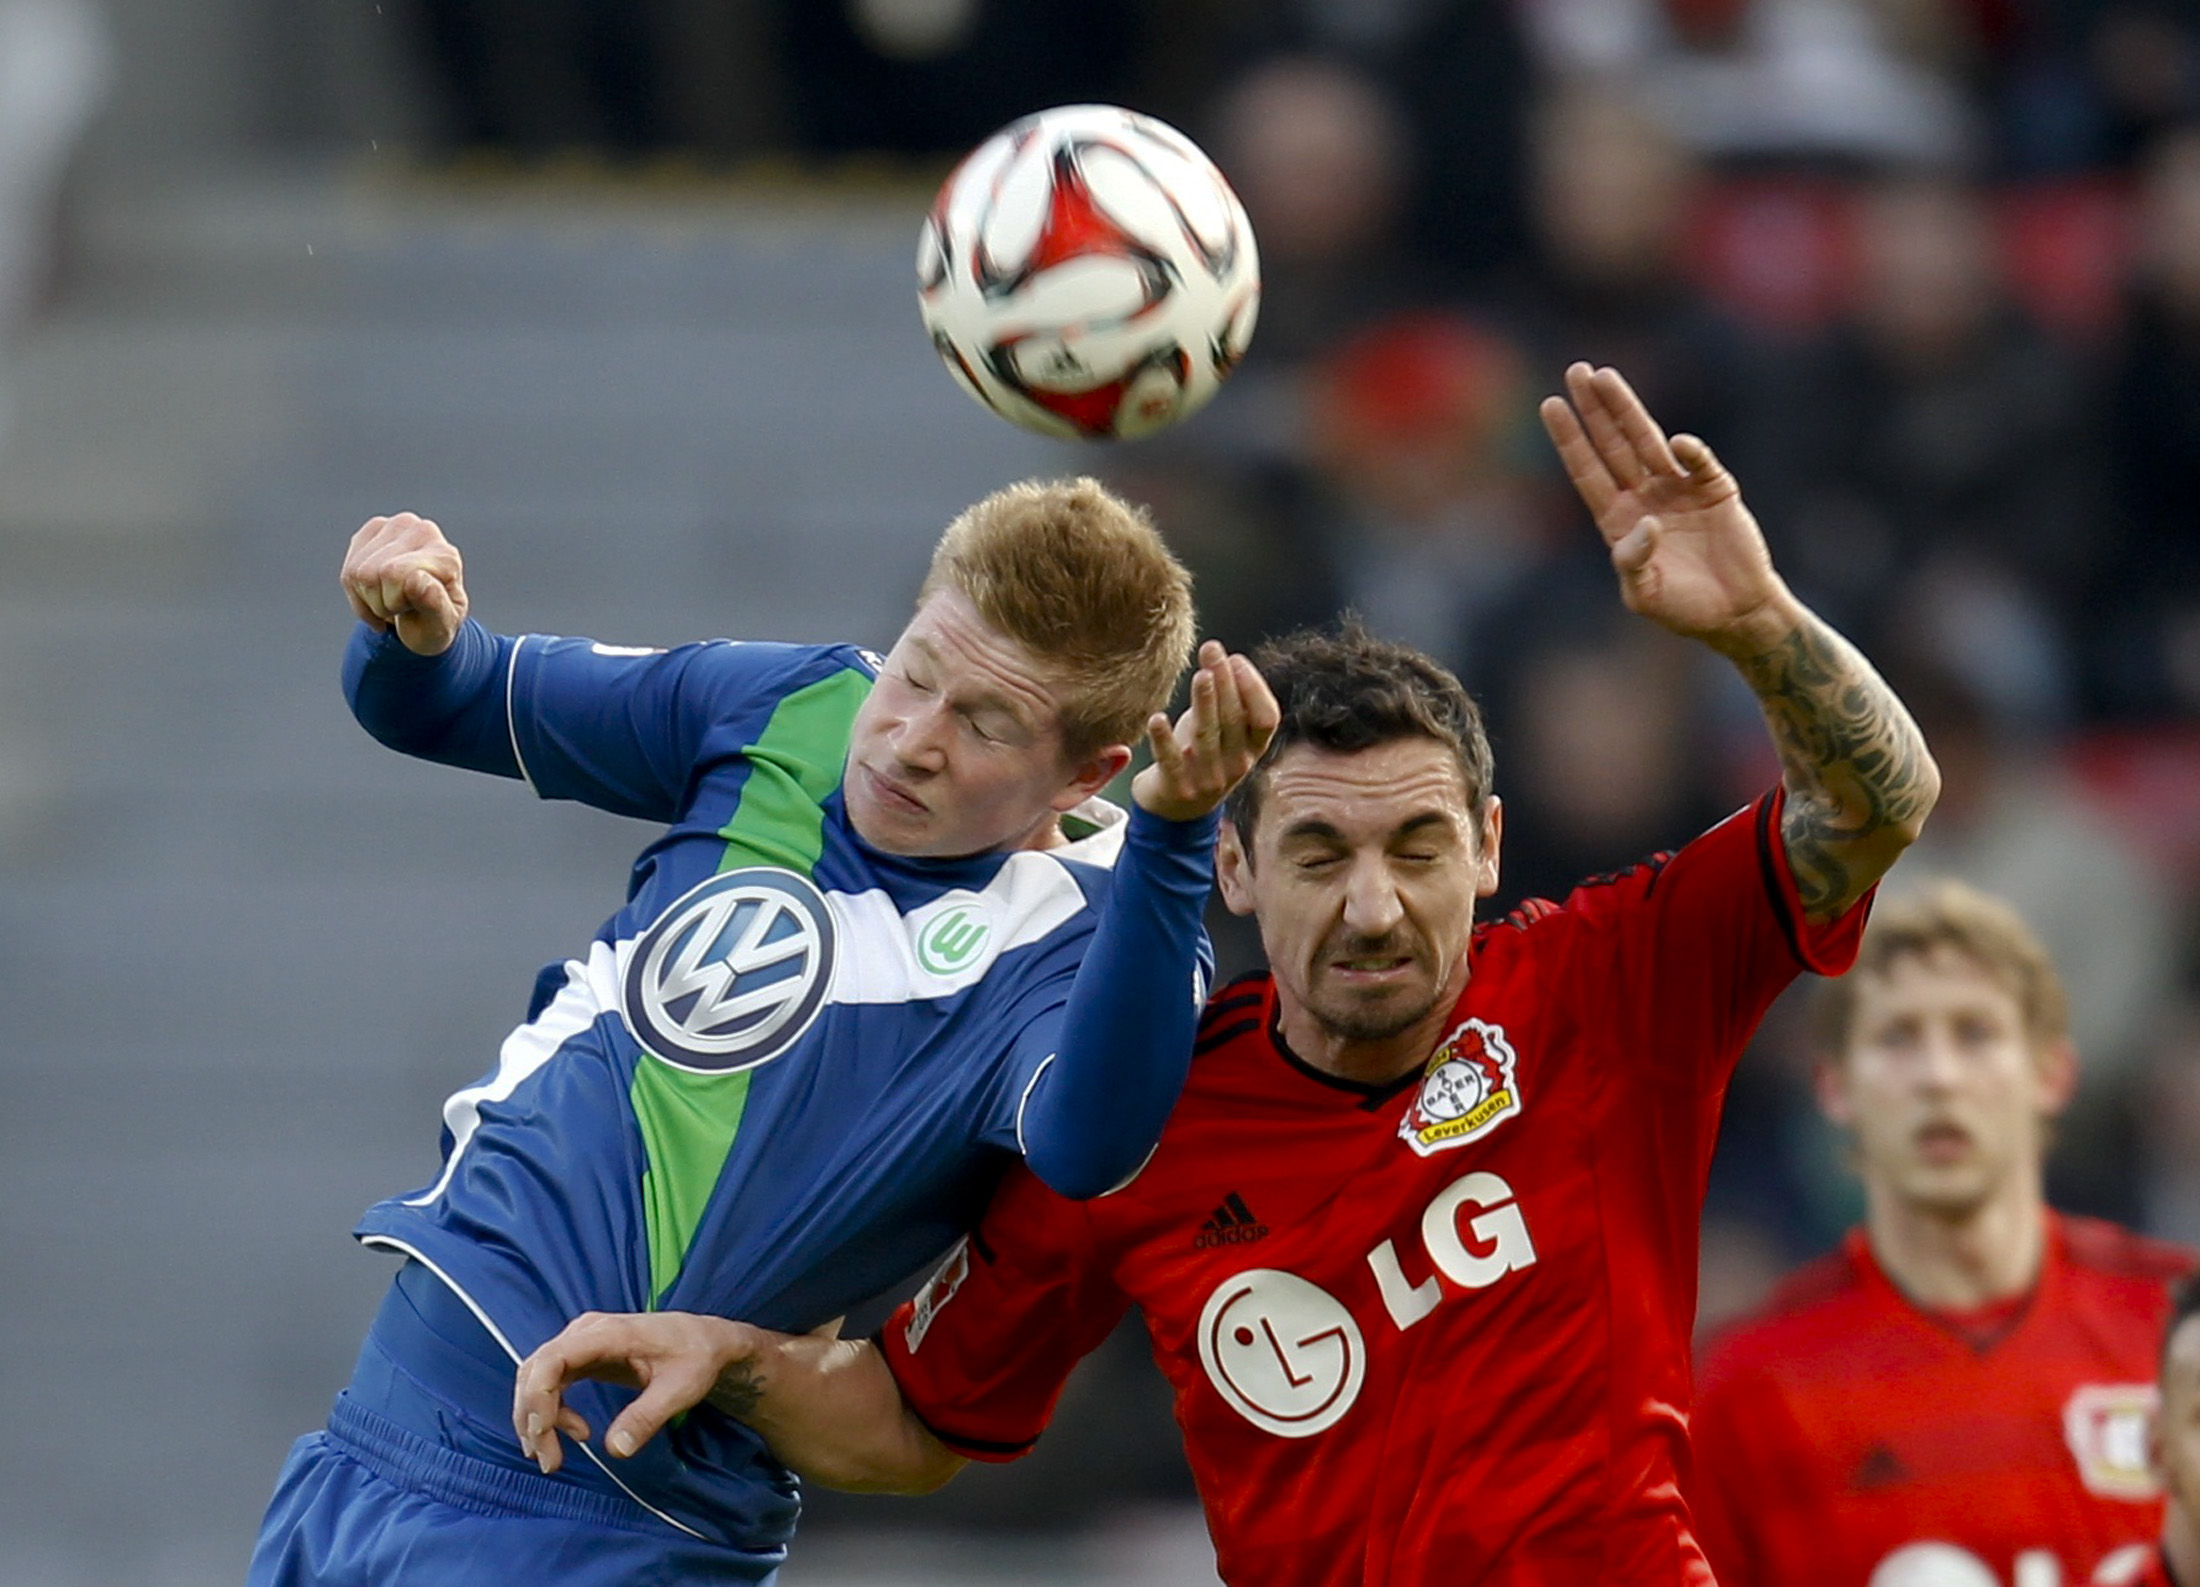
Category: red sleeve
[984,1349]
[1694,946]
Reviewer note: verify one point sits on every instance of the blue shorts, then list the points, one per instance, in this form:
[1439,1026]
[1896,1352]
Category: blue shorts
[406,1489]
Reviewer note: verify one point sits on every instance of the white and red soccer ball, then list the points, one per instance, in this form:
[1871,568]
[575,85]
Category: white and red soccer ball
[1087,272]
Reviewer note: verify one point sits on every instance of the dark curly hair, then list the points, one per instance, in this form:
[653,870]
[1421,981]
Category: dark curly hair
[1344,690]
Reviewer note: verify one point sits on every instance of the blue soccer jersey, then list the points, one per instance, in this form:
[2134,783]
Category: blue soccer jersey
[786,1072]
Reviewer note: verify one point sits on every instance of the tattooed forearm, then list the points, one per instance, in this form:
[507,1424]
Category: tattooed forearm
[1859,778]
[738,1390]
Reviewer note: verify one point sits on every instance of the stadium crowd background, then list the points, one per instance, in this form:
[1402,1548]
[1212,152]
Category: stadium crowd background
[1926,272]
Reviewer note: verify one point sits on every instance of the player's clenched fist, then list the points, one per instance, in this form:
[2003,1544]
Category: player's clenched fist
[401,573]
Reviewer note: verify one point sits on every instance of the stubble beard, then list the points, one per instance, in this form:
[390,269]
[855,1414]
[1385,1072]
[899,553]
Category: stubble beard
[1371,1024]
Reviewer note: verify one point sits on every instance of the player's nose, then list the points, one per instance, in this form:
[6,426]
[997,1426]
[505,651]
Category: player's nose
[918,738]
[1372,907]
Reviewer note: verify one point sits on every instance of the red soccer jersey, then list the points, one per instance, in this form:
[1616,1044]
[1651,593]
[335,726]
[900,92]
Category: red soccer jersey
[1846,1437]
[1433,1333]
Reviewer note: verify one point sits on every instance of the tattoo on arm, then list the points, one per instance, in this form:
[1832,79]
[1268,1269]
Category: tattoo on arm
[1855,765]
[738,1389]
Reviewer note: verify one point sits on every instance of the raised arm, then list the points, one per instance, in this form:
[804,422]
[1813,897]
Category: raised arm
[1123,1043]
[828,1408]
[1690,557]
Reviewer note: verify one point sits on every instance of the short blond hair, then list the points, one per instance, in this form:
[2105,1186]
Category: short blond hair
[1948,914]
[1081,579]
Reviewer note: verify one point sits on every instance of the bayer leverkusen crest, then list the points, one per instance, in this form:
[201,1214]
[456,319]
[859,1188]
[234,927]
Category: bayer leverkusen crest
[1467,1090]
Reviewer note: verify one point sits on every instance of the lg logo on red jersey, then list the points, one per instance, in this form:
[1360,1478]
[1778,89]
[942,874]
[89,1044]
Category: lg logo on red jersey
[1945,1565]
[1287,1355]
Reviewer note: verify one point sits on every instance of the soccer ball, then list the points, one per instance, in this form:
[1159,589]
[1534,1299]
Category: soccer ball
[1087,272]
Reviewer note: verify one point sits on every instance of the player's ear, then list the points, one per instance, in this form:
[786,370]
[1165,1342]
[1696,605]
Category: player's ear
[1493,832]
[2058,1075]
[1088,776]
[1233,870]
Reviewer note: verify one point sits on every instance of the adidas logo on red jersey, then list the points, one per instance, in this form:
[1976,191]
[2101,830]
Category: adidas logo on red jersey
[1232,1224]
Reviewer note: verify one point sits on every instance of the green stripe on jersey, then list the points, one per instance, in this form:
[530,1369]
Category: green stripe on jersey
[689,1121]
[793,765]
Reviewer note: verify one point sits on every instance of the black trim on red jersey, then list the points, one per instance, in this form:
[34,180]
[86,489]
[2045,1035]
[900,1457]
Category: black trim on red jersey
[955,1441]
[1243,991]
[1232,1011]
[1215,1038]
[1373,1094]
[1790,928]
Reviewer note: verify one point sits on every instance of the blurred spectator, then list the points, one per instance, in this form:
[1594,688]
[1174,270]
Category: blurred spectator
[2143,60]
[1794,80]
[1456,72]
[1319,155]
[1612,194]
[1598,726]
[2146,615]
[1426,479]
[1937,429]
[54,70]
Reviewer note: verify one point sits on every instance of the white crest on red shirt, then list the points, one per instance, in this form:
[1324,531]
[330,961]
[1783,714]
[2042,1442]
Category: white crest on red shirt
[1467,1090]
[2105,1425]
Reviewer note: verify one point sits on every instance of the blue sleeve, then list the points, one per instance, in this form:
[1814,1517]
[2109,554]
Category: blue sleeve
[616,727]
[1123,1042]
[448,708]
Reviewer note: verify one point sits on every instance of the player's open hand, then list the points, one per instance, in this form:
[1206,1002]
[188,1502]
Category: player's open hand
[401,573]
[1213,744]
[674,1358]
[1689,555]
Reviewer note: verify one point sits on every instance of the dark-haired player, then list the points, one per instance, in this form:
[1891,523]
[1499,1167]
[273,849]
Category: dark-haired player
[1458,1351]
[1961,1393]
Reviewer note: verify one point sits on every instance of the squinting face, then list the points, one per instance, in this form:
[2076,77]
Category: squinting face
[1363,875]
[958,750]
[1945,1092]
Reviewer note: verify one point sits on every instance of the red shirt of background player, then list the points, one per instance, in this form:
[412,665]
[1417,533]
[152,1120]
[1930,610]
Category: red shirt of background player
[1844,1424]
[1434,1332]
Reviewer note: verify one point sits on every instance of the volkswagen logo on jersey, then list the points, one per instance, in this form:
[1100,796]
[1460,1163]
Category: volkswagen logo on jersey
[1283,1352]
[733,973]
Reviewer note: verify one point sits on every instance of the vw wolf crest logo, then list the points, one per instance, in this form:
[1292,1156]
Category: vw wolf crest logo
[1467,1091]
[733,973]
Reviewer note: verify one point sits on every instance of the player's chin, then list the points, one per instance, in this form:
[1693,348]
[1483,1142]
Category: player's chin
[1946,1190]
[1376,1014]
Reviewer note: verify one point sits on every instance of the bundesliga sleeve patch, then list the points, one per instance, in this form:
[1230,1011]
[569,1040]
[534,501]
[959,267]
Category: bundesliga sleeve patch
[1467,1090]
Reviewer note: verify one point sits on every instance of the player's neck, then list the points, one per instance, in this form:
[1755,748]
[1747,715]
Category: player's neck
[1959,1261]
[1363,1061]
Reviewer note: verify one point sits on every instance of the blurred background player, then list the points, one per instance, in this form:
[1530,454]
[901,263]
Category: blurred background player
[847,986]
[1960,1394]
[1417,1251]
[2173,1447]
